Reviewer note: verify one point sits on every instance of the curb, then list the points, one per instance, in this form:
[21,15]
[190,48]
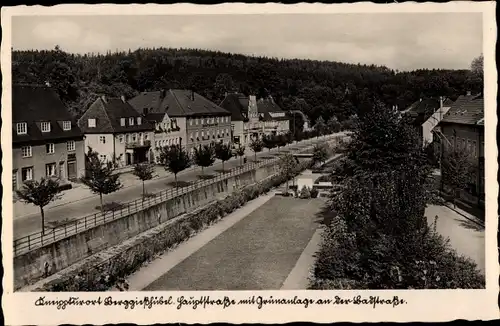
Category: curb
[95,196]
[463,215]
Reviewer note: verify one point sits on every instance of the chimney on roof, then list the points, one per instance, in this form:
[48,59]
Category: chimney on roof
[440,102]
[225,94]
[468,93]
[123,98]
[420,99]
[104,99]
[47,84]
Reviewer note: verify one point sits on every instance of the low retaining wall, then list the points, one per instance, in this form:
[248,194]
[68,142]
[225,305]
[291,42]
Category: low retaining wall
[124,258]
[29,267]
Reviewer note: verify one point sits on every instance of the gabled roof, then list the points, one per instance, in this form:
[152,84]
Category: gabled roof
[176,103]
[422,110]
[468,109]
[267,106]
[237,105]
[34,104]
[108,113]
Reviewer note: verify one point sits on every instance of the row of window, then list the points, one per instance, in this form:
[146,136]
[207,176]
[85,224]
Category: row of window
[208,120]
[127,138]
[49,148]
[465,144]
[22,127]
[167,142]
[131,121]
[166,125]
[213,133]
[50,171]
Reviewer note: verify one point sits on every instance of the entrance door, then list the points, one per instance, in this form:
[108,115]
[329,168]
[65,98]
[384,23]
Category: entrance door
[72,170]
[61,170]
[128,159]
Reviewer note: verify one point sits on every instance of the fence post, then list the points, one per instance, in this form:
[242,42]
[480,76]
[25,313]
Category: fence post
[54,234]
[29,243]
[41,238]
[65,230]
[85,222]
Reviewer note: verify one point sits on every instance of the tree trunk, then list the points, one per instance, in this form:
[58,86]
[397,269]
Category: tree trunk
[223,170]
[43,220]
[143,190]
[175,177]
[286,187]
[202,171]
[100,198]
[255,156]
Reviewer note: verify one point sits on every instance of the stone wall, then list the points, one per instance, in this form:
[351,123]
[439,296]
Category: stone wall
[61,254]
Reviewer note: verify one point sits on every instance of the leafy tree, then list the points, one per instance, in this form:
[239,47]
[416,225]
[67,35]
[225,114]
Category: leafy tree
[100,176]
[320,153]
[175,159]
[144,171]
[204,156]
[240,151]
[333,125]
[381,239]
[289,137]
[287,166]
[40,193]
[256,145]
[456,169]
[320,127]
[269,142]
[223,152]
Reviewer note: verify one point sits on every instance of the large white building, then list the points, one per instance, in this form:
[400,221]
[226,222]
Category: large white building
[116,131]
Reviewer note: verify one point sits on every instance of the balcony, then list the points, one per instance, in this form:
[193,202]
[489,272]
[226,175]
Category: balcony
[138,144]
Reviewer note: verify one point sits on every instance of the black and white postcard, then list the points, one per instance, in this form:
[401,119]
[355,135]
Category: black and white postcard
[249,163]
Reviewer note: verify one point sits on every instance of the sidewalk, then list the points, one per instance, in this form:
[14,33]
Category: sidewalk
[81,192]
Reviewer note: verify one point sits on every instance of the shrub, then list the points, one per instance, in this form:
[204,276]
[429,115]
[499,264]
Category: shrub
[314,193]
[305,192]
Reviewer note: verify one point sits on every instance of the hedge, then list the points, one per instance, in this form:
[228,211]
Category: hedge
[100,276]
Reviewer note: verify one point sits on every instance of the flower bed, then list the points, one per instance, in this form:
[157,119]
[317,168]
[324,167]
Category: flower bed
[100,276]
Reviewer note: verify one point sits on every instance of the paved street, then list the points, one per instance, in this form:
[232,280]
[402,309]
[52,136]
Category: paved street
[30,223]
[466,237]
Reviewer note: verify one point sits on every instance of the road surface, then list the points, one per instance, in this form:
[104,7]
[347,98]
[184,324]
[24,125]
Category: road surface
[466,236]
[31,223]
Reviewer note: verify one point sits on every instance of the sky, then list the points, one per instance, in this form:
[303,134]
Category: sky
[403,41]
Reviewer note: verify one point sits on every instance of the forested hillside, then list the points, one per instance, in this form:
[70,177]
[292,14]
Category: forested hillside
[318,88]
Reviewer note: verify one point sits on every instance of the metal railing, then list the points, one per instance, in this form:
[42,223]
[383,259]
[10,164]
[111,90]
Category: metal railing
[38,239]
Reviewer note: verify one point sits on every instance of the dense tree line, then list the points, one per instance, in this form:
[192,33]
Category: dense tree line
[317,88]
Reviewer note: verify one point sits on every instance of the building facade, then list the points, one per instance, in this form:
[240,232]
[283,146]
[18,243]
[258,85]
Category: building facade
[463,128]
[246,123]
[46,140]
[275,120]
[199,120]
[117,132]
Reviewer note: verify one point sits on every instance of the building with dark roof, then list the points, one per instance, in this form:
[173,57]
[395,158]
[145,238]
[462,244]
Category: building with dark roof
[463,129]
[200,120]
[275,119]
[246,123]
[46,140]
[115,130]
[425,115]
[167,131]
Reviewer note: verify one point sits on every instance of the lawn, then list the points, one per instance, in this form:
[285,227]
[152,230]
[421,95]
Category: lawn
[257,253]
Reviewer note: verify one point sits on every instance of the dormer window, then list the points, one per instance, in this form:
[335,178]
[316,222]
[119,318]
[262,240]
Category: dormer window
[45,126]
[139,121]
[131,121]
[91,123]
[22,128]
[66,125]
[122,122]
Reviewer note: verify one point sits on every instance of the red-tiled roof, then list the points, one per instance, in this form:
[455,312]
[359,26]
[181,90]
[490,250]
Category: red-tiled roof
[108,113]
[34,104]
[467,109]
